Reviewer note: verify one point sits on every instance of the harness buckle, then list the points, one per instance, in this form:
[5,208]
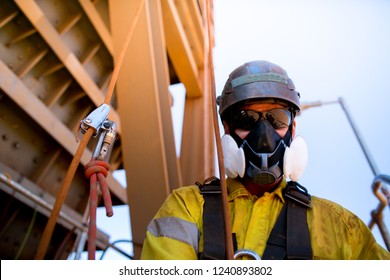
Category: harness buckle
[297,193]
[210,186]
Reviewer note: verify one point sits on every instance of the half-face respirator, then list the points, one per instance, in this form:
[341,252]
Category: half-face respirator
[263,155]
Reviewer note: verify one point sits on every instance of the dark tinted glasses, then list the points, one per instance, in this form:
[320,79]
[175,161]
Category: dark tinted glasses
[247,119]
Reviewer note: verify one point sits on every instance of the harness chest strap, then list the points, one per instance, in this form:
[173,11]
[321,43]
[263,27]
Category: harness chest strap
[289,239]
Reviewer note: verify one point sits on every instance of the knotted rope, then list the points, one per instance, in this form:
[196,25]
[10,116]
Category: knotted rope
[96,171]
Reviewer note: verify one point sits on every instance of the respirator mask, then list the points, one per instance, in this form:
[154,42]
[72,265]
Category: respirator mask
[263,155]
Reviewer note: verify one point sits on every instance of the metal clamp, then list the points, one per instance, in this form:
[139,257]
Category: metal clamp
[95,119]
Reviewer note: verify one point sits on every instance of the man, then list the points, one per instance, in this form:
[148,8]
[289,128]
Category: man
[263,160]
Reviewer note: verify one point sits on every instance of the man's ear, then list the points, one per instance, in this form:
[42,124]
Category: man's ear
[226,127]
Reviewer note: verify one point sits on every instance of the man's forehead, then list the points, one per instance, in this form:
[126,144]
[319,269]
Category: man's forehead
[261,106]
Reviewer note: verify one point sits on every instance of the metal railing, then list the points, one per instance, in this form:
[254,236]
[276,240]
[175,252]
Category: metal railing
[380,191]
[383,195]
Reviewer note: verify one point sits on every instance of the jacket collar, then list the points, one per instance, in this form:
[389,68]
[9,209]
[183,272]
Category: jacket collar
[237,189]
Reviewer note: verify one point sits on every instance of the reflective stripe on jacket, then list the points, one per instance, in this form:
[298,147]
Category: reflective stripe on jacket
[176,232]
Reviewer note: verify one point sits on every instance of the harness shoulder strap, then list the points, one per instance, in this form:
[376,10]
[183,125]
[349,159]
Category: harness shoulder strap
[290,237]
[213,222]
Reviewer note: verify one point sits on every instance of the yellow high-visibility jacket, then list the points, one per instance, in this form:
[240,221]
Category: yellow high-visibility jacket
[176,232]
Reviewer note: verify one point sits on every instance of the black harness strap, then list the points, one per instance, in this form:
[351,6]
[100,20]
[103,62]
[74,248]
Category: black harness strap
[213,222]
[290,237]
[291,223]
[276,244]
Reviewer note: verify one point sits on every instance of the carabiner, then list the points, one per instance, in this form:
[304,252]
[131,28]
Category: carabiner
[246,252]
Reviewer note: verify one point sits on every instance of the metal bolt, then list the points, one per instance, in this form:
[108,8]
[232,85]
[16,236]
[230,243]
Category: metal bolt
[106,125]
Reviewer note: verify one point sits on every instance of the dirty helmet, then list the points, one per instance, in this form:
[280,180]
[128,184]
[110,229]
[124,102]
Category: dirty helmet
[258,79]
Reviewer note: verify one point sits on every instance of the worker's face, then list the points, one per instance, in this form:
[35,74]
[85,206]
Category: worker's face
[261,107]
[262,131]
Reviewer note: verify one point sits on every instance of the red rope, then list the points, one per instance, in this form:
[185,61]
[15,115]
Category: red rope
[96,171]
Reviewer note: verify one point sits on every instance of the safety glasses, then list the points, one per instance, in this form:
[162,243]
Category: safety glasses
[247,119]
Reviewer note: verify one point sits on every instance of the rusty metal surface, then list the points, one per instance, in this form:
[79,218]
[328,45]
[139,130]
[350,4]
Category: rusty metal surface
[54,69]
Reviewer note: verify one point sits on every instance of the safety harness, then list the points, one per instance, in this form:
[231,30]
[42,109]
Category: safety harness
[289,239]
